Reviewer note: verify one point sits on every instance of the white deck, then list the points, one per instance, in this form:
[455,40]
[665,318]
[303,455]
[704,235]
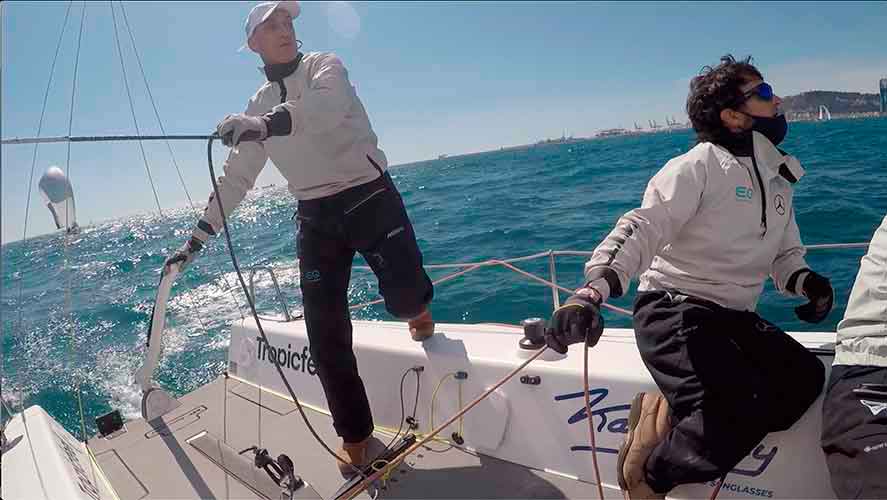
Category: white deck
[158,462]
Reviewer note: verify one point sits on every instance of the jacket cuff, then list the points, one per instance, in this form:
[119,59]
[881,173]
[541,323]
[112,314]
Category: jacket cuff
[605,281]
[795,283]
[601,287]
[278,121]
[203,231]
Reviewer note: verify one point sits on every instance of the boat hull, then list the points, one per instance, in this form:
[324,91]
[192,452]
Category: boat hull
[538,418]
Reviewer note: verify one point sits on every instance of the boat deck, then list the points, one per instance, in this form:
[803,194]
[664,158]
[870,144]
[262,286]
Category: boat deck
[163,459]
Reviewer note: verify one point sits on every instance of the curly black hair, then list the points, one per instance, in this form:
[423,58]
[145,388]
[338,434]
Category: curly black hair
[714,90]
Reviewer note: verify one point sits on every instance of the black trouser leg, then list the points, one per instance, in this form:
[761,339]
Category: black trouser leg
[854,431]
[717,367]
[379,228]
[325,269]
[370,218]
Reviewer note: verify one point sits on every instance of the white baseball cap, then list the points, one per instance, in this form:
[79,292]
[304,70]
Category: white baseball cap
[262,11]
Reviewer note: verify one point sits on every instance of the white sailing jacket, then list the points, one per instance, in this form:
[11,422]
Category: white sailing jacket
[327,151]
[710,225]
[862,334]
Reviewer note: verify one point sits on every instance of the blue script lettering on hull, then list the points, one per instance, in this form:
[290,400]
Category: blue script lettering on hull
[597,395]
[620,425]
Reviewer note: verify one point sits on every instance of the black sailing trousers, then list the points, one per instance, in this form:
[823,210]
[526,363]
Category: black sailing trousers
[854,430]
[370,219]
[730,377]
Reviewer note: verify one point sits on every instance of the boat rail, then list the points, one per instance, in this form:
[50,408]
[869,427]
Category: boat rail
[467,267]
[280,299]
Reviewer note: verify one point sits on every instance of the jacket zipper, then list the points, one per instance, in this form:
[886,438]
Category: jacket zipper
[280,81]
[763,197]
[368,198]
[282,90]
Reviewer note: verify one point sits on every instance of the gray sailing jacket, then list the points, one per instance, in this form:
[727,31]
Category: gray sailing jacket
[327,151]
[710,225]
[862,334]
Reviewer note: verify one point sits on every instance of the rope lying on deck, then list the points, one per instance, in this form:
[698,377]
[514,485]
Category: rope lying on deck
[368,481]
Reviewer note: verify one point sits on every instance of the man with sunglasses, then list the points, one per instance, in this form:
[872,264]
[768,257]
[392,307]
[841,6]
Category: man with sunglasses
[714,224]
[308,120]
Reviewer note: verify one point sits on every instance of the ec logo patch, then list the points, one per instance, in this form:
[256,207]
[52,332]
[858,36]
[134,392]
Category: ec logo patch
[311,276]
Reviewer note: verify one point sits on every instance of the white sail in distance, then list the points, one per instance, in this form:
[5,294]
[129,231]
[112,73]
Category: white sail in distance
[58,194]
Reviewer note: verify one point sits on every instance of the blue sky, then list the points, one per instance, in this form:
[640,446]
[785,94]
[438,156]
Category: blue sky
[435,77]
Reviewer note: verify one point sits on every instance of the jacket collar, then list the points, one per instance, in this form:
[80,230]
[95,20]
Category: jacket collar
[276,72]
[771,160]
[775,161]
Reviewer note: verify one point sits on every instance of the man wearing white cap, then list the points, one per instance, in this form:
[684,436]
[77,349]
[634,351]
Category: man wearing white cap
[308,120]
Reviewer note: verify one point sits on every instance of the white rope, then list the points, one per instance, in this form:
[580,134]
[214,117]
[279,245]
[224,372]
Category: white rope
[507,263]
[471,264]
[504,263]
[441,280]
[818,246]
[563,289]
[832,246]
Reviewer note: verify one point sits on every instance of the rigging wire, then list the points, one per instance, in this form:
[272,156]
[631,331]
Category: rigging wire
[175,163]
[153,104]
[31,180]
[103,138]
[68,312]
[25,237]
[132,109]
[190,306]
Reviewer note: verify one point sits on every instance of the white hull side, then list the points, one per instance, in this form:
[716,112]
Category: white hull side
[541,426]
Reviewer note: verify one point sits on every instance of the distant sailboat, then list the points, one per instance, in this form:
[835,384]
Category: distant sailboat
[58,194]
[824,113]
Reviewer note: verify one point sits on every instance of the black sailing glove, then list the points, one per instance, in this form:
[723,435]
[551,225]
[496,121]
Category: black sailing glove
[185,254]
[818,291]
[578,320]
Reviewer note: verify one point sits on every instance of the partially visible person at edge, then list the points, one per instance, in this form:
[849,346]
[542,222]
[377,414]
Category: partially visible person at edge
[714,224]
[308,120]
[854,413]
